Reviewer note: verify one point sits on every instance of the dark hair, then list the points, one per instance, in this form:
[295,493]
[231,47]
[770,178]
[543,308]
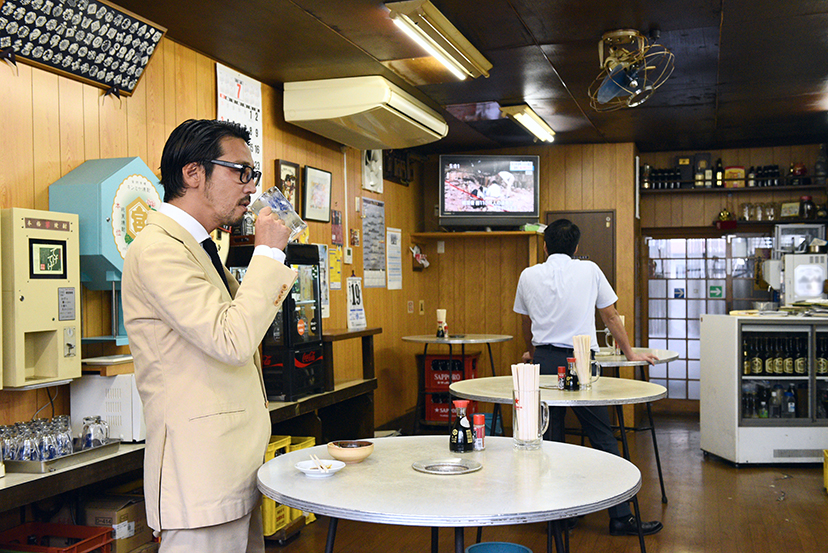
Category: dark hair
[194,140]
[562,236]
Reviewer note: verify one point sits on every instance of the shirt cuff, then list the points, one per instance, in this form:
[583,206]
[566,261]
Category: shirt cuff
[272,253]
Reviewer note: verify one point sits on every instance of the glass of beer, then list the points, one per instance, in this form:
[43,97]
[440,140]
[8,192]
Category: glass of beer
[276,201]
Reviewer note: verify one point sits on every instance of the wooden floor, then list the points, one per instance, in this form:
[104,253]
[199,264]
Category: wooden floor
[713,507]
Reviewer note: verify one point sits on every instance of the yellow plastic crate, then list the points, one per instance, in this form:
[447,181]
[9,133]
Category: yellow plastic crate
[301,442]
[274,515]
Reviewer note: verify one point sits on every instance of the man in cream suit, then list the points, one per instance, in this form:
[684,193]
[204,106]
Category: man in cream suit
[194,334]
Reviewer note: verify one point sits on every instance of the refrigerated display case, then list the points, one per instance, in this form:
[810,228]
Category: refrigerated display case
[292,356]
[764,388]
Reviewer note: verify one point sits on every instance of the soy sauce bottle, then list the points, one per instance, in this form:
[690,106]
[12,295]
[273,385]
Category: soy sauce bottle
[571,383]
[462,437]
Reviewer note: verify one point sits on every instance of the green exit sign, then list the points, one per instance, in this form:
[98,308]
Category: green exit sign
[715,292]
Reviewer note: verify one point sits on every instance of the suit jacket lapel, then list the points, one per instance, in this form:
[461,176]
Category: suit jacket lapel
[179,233]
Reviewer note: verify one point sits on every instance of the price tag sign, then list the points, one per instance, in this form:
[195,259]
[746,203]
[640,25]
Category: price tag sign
[356,310]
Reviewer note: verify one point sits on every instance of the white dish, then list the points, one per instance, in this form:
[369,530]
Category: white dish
[312,471]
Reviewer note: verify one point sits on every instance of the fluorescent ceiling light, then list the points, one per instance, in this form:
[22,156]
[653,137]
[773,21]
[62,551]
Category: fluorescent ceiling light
[435,33]
[527,117]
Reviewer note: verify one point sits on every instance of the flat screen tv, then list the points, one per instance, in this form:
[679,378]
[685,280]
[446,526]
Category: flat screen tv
[491,192]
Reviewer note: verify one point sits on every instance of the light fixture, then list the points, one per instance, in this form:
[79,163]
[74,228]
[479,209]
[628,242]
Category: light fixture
[433,31]
[527,117]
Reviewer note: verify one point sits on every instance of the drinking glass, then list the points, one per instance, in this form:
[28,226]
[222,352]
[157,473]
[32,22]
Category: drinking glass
[530,418]
[276,201]
[95,432]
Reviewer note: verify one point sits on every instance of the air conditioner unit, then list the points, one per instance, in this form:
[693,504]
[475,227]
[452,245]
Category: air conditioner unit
[366,113]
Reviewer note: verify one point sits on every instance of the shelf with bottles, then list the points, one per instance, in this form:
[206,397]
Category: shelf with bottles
[688,187]
[775,402]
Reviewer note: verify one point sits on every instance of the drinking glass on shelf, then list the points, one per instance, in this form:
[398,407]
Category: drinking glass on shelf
[770,211]
[745,211]
[759,212]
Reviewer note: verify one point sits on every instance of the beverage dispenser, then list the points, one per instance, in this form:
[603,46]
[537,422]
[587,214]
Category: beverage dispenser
[112,198]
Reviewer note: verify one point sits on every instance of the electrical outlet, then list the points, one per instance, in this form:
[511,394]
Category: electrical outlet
[411,307]
[441,246]
[357,204]
[422,307]
[348,256]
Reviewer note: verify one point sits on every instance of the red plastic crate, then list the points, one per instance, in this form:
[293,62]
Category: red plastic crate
[437,373]
[438,411]
[89,538]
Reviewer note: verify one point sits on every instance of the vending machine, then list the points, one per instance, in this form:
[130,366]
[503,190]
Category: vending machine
[292,348]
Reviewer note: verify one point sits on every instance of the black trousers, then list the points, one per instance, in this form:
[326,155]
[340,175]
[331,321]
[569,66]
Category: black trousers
[595,421]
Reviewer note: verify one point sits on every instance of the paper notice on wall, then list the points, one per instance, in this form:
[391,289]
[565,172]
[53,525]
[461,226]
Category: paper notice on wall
[240,101]
[373,235]
[335,267]
[356,310]
[393,261]
[324,288]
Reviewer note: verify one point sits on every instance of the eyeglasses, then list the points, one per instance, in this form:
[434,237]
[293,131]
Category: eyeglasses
[246,172]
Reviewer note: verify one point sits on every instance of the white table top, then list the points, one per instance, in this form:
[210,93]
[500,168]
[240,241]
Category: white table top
[605,358]
[605,391]
[513,487]
[458,339]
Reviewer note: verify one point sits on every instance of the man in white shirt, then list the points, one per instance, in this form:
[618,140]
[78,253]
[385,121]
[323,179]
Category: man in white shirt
[194,334]
[556,301]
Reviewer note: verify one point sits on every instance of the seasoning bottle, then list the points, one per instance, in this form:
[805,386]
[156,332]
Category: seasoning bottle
[461,439]
[561,377]
[479,431]
[807,208]
[571,376]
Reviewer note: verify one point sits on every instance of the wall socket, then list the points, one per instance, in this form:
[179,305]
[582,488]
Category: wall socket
[422,307]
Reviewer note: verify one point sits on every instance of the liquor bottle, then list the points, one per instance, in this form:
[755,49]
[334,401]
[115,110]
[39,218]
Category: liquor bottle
[789,403]
[801,361]
[751,177]
[821,360]
[462,437]
[719,174]
[775,407]
[763,398]
[757,363]
[788,366]
[770,360]
[708,177]
[747,355]
[779,358]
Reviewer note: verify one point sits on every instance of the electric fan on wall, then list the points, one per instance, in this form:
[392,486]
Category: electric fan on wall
[632,68]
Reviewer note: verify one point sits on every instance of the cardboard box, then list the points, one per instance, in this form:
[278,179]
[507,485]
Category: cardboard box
[150,547]
[126,515]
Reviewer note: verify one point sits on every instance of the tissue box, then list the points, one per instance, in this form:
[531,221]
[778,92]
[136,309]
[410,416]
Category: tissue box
[127,516]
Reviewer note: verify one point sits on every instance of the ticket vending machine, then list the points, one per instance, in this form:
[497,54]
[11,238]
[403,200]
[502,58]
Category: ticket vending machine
[41,304]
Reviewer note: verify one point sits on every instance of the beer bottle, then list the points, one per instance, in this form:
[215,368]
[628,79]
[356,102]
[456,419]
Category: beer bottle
[779,357]
[801,361]
[462,438]
[770,360]
[789,356]
[821,361]
[747,354]
[756,361]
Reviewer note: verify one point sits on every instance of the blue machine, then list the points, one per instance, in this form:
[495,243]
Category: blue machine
[112,198]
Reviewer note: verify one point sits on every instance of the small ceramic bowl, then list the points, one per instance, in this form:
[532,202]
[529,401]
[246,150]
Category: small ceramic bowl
[350,451]
[310,469]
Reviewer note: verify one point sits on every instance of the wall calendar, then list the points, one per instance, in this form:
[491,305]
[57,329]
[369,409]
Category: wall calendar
[240,101]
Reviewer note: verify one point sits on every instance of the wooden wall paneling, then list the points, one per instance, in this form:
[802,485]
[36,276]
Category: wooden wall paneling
[588,197]
[152,82]
[206,88]
[71,125]
[186,105]
[136,124]
[46,135]
[91,122]
[113,125]
[18,153]
[171,118]
[604,186]
[573,177]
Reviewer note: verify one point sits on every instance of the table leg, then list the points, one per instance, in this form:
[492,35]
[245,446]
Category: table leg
[496,409]
[655,449]
[331,535]
[435,544]
[459,537]
[554,531]
[636,511]
[421,393]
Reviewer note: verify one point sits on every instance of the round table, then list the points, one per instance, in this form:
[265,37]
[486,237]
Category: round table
[452,340]
[607,359]
[553,483]
[606,390]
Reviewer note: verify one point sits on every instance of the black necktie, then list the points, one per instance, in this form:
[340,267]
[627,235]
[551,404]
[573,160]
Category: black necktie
[210,247]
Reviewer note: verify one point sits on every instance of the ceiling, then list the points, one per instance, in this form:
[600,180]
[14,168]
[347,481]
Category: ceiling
[748,73]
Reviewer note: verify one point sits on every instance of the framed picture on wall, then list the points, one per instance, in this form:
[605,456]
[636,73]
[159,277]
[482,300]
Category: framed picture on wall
[316,200]
[288,174]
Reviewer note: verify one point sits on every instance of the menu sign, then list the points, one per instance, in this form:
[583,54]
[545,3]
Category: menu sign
[88,40]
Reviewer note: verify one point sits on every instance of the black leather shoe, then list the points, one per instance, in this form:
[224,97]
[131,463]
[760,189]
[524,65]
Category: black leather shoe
[627,527]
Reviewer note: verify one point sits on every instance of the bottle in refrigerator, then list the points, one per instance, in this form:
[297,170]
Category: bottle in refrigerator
[788,366]
[779,357]
[821,359]
[789,403]
[775,407]
[747,354]
[801,361]
[770,358]
[757,363]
